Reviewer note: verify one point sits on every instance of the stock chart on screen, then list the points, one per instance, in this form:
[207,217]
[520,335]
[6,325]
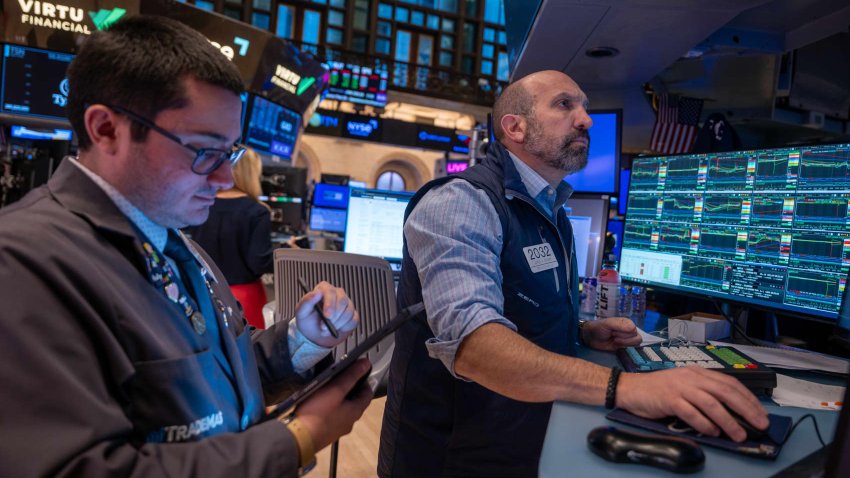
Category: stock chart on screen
[767,227]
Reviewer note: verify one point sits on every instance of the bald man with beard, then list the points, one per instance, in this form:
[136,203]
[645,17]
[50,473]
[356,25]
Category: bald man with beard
[490,252]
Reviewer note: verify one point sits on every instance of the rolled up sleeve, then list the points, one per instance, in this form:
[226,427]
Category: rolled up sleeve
[454,237]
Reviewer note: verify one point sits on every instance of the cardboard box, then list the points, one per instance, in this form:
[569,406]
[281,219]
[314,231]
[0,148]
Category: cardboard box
[698,327]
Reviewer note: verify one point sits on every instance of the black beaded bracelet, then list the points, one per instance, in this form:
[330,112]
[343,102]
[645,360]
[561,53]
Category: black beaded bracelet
[611,393]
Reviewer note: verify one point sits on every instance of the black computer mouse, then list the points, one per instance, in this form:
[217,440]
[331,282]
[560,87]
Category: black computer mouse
[676,454]
[753,433]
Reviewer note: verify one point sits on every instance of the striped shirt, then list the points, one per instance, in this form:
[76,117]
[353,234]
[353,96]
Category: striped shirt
[454,237]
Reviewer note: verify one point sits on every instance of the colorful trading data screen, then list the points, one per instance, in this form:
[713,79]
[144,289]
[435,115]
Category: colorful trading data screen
[765,227]
[358,84]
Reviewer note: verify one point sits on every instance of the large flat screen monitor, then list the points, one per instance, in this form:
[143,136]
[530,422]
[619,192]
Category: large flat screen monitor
[272,128]
[768,228]
[603,158]
[34,82]
[588,216]
[374,223]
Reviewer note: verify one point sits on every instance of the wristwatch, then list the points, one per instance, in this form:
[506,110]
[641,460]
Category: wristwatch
[306,450]
[581,325]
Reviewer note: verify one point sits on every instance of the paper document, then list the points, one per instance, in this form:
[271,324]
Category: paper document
[791,359]
[648,339]
[793,392]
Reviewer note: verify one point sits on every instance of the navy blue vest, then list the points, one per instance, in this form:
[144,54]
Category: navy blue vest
[436,425]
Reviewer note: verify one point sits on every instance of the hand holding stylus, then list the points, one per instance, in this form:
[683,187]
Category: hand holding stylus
[325,315]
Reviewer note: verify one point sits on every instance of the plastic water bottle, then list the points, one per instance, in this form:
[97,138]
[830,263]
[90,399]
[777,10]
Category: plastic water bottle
[624,301]
[608,290]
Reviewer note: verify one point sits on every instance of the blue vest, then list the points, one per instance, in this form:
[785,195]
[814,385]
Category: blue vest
[436,425]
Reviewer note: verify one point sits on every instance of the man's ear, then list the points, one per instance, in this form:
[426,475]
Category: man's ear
[102,128]
[514,128]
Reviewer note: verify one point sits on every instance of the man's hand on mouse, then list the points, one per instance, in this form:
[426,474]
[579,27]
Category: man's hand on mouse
[696,396]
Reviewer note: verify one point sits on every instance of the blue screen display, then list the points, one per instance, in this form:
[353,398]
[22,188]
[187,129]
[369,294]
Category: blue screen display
[615,228]
[272,129]
[324,219]
[623,197]
[600,175]
[330,195]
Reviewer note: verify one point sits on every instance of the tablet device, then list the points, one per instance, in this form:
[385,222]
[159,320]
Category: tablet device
[329,373]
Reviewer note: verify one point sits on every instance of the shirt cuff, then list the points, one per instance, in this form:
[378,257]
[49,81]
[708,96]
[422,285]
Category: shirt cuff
[303,352]
[446,350]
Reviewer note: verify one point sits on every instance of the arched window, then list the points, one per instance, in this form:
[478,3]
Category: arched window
[390,180]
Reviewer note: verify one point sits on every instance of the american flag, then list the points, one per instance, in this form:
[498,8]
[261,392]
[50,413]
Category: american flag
[676,124]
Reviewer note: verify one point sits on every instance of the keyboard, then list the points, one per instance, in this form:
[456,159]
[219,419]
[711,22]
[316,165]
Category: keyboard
[752,374]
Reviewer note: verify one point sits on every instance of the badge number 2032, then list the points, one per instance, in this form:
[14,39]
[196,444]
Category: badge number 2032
[540,257]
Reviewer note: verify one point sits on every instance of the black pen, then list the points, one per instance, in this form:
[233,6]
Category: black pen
[318,309]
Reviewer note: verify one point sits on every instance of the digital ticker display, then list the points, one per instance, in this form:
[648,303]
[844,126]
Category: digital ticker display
[358,84]
[768,227]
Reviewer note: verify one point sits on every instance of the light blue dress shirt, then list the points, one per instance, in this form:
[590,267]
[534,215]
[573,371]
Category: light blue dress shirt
[454,237]
[303,352]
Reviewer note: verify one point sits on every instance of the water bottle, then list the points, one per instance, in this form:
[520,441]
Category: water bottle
[638,303]
[588,304]
[624,301]
[608,290]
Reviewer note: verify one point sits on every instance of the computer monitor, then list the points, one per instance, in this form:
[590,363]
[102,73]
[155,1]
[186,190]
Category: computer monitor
[614,237]
[589,216]
[271,128]
[603,158]
[767,228]
[330,195]
[34,82]
[623,194]
[374,224]
[327,219]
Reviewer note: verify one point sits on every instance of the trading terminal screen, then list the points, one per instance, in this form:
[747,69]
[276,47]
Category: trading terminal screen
[34,82]
[374,223]
[272,128]
[767,227]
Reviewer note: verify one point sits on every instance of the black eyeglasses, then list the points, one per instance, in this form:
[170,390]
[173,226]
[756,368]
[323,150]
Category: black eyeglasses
[206,160]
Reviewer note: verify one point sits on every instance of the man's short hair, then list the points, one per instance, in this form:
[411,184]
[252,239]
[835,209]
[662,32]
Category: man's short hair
[140,64]
[514,100]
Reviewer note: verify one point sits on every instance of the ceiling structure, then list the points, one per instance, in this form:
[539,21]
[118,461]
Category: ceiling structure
[778,69]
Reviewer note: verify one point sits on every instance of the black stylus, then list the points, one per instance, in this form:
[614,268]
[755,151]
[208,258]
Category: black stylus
[318,309]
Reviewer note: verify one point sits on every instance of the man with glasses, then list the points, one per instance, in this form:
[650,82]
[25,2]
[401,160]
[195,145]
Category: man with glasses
[123,351]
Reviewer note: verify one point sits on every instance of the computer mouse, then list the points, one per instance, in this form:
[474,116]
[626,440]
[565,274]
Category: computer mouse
[676,454]
[753,433]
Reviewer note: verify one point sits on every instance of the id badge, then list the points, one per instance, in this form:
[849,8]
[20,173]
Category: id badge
[540,257]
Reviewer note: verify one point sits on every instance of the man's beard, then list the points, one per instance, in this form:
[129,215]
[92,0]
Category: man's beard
[566,156]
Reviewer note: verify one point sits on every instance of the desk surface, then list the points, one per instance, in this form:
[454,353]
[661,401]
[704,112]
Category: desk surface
[565,451]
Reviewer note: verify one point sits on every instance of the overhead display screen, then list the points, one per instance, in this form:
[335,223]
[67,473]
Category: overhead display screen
[358,84]
[34,82]
[272,129]
[603,158]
